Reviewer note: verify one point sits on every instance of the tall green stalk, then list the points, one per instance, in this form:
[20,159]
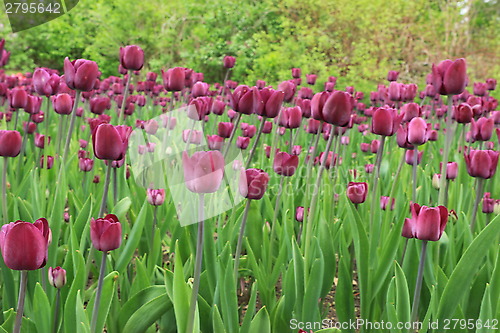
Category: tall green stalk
[446,151]
[20,301]
[95,311]
[418,285]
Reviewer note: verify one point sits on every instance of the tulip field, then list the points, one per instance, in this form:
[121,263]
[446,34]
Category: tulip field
[159,202]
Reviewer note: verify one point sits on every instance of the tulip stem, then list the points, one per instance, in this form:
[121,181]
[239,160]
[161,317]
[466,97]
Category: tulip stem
[105,191]
[256,141]
[376,176]
[95,311]
[20,301]
[23,149]
[479,194]
[275,217]
[396,176]
[17,119]
[121,116]
[310,220]
[231,137]
[446,150]
[56,312]
[188,140]
[155,211]
[418,285]
[291,140]
[115,186]
[197,267]
[71,125]
[240,239]
[414,174]
[4,191]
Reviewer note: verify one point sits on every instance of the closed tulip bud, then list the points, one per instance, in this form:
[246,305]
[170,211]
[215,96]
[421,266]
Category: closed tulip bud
[44,83]
[296,150]
[18,98]
[203,171]
[151,127]
[229,61]
[410,111]
[174,78]
[218,107]
[242,142]
[62,104]
[374,146]
[410,155]
[479,88]
[110,142]
[449,77]
[296,73]
[356,192]
[86,164]
[426,223]
[395,92]
[99,105]
[80,74]
[338,108]
[311,79]
[97,179]
[24,245]
[365,147]
[193,136]
[57,277]
[106,233]
[289,88]
[313,126]
[369,168]
[488,203]
[417,131]
[50,161]
[131,57]
[253,183]
[451,170]
[225,129]
[40,140]
[215,142]
[430,91]
[385,121]
[317,104]
[491,84]
[291,117]
[482,129]
[248,130]
[436,181]
[155,197]
[384,201]
[299,214]
[481,163]
[10,143]
[285,164]
[200,89]
[392,76]
[268,126]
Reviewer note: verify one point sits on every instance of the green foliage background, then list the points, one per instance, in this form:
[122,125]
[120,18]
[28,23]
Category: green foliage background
[358,41]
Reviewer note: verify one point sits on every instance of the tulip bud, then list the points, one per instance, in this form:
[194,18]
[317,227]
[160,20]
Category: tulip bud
[337,109]
[385,121]
[80,74]
[86,164]
[451,170]
[50,161]
[481,163]
[410,156]
[436,181]
[356,192]
[10,143]
[106,233]
[384,201]
[62,104]
[427,223]
[215,142]
[242,142]
[110,142]
[155,197]
[285,164]
[253,183]
[449,77]
[131,57]
[229,62]
[203,171]
[57,277]
[417,131]
[488,203]
[392,76]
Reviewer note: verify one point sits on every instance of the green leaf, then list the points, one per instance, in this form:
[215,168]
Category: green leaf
[148,311]
[402,295]
[245,326]
[122,207]
[41,310]
[217,320]
[82,322]
[344,299]
[181,294]
[261,323]
[140,299]
[78,284]
[466,269]
[108,290]
[132,241]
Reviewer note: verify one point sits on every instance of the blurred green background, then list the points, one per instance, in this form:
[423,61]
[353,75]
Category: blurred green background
[358,41]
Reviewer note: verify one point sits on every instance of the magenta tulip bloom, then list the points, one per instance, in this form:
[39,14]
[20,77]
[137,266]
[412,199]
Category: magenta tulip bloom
[417,131]
[253,183]
[215,142]
[24,245]
[272,99]
[426,223]
[449,77]
[110,142]
[311,78]
[174,79]
[106,233]
[392,76]
[385,121]
[491,84]
[57,277]
[482,129]
[229,61]
[356,192]
[338,108]
[99,104]
[155,197]
[479,88]
[384,202]
[193,136]
[242,142]
[481,163]
[80,74]
[44,83]
[285,164]
[10,143]
[451,170]
[18,98]
[132,57]
[299,214]
[62,103]
[225,129]
[203,171]
[463,113]
[410,156]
